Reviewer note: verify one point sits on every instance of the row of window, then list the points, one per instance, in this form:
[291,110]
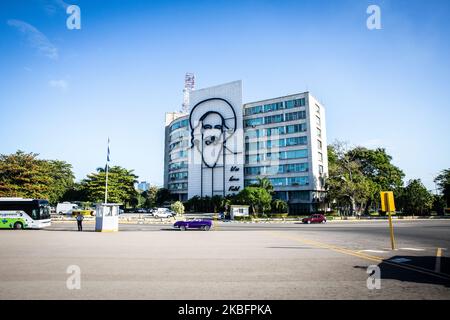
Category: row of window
[178,186]
[178,166]
[178,155]
[276,118]
[282,155]
[292,195]
[284,168]
[275,106]
[178,135]
[176,144]
[179,124]
[269,144]
[280,182]
[274,131]
[178,176]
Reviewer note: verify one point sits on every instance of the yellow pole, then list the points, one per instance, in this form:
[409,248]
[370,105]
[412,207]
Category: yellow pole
[391,227]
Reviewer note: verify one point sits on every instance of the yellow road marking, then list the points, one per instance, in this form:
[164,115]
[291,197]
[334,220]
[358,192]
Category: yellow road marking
[364,256]
[438,260]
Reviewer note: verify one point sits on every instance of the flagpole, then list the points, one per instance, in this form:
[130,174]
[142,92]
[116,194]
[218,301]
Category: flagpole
[107,169]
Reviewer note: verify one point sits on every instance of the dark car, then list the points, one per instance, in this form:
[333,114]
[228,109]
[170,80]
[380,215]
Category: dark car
[193,224]
[315,218]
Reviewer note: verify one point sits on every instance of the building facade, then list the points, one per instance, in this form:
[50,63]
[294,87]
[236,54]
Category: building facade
[283,139]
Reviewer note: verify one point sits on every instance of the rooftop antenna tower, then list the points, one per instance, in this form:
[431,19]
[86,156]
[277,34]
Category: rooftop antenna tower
[189,84]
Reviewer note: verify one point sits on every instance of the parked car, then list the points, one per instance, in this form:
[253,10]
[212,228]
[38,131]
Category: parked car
[315,218]
[193,224]
[163,213]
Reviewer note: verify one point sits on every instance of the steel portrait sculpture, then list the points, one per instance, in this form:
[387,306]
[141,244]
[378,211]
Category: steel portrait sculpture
[212,123]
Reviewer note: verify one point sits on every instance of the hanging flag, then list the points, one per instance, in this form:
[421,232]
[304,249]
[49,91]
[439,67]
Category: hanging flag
[107,157]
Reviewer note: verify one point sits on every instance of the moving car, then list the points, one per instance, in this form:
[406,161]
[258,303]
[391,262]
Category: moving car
[315,218]
[193,224]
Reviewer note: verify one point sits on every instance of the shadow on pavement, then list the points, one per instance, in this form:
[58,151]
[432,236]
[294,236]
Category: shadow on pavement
[392,269]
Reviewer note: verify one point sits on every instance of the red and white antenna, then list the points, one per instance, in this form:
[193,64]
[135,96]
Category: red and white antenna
[189,84]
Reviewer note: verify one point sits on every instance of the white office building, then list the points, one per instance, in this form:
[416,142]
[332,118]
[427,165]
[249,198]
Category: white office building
[222,145]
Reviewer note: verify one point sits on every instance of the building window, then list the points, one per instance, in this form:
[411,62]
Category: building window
[178,176]
[295,115]
[318,120]
[273,106]
[253,133]
[299,196]
[294,128]
[295,103]
[254,122]
[320,156]
[179,124]
[320,169]
[297,181]
[273,119]
[296,141]
[317,109]
[294,154]
[253,158]
[253,110]
[278,181]
[253,146]
[319,133]
[293,167]
[274,131]
[250,182]
[254,170]
[319,144]
[178,165]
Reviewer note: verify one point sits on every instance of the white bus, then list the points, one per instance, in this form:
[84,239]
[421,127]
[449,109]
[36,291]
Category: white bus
[19,213]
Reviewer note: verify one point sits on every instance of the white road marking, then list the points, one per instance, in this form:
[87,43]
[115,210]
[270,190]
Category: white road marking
[412,249]
[375,251]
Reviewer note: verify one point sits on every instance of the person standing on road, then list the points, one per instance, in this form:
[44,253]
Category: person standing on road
[80,222]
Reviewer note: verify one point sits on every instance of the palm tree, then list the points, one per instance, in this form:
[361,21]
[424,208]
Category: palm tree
[265,183]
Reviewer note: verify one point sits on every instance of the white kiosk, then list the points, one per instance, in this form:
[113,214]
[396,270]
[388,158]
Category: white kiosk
[107,217]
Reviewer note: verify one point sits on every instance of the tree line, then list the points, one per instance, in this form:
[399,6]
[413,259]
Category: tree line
[356,176]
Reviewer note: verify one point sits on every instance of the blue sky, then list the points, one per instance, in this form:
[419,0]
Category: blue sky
[63,92]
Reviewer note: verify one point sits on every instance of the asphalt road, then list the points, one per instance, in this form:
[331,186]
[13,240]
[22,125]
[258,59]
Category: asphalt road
[234,261]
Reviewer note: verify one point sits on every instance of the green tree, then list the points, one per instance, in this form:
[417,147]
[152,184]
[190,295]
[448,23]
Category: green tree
[150,197]
[24,175]
[415,198]
[279,206]
[120,186]
[264,182]
[376,166]
[347,187]
[443,183]
[258,199]
[163,195]
[177,207]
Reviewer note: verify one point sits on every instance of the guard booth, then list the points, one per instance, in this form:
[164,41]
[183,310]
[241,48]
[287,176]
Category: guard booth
[239,211]
[107,217]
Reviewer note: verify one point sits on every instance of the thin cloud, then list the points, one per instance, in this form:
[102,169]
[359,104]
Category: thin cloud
[35,38]
[59,84]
